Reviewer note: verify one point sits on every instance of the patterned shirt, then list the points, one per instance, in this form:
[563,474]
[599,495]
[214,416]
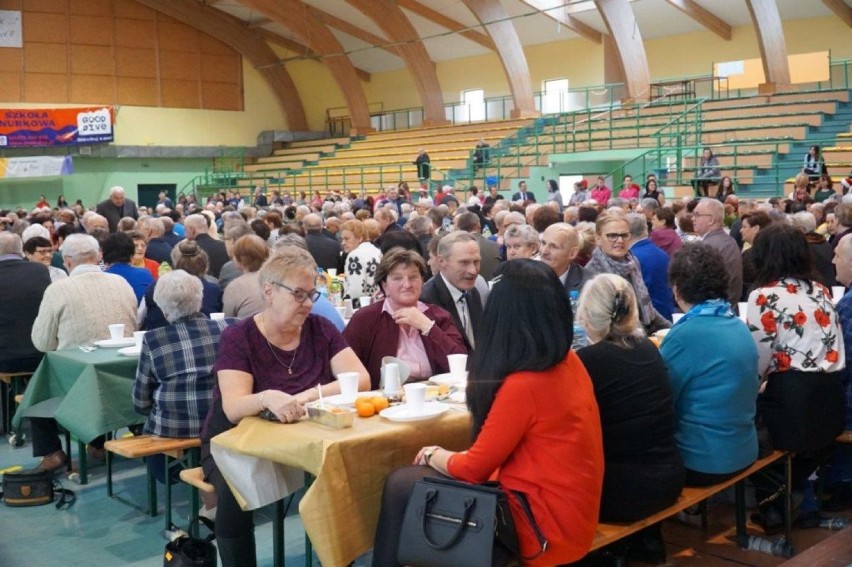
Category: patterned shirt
[174,380]
[794,328]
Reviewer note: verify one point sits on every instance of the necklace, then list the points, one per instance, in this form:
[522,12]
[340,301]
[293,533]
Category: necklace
[272,350]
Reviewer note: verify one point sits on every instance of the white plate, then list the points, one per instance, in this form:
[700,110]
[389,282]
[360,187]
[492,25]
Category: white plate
[448,379]
[116,343]
[339,400]
[458,397]
[403,412]
[130,351]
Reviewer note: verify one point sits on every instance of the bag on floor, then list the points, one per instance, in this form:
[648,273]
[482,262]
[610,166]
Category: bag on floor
[188,551]
[34,488]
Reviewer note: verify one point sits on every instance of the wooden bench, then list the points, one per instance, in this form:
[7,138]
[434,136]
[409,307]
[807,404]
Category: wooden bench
[140,446]
[610,533]
[834,551]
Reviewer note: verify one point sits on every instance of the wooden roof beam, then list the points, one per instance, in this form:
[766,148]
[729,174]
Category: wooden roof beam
[704,17]
[558,10]
[354,31]
[438,18]
[297,47]
[841,8]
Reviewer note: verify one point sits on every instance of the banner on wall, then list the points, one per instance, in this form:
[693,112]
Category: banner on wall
[39,127]
[37,166]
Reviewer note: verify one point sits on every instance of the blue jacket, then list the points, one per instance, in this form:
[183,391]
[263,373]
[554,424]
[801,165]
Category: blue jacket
[138,278]
[712,362]
[655,273]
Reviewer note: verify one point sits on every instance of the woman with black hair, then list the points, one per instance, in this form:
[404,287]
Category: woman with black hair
[801,355]
[814,164]
[707,173]
[535,423]
[553,194]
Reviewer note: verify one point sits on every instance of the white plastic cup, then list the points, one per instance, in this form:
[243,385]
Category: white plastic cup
[676,317]
[116,331]
[332,272]
[837,292]
[365,301]
[415,397]
[348,385]
[743,307]
[137,338]
[217,316]
[347,305]
[392,381]
[342,312]
[458,366]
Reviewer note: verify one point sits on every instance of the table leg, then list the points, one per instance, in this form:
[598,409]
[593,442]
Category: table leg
[83,464]
[278,534]
[309,548]
[788,499]
[168,511]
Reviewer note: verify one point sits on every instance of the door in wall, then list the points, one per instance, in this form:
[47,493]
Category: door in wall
[149,193]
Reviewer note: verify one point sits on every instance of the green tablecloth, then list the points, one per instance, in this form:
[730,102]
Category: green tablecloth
[89,393]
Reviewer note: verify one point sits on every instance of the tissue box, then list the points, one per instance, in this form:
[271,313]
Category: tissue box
[330,415]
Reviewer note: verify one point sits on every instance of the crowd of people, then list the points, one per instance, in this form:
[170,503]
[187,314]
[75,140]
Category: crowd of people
[613,430]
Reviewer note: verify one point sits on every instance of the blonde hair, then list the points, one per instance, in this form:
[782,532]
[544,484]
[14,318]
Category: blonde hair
[608,310]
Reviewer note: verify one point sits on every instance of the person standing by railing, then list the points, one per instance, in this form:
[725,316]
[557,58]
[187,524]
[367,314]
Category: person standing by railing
[424,168]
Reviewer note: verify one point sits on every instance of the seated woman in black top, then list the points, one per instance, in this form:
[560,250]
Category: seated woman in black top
[643,467]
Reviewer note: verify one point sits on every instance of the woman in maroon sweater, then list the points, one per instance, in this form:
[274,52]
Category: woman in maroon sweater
[401,325]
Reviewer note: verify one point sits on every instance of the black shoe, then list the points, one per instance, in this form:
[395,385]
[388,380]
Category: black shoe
[769,519]
[647,546]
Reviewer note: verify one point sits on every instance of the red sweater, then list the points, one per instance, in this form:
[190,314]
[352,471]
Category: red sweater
[543,438]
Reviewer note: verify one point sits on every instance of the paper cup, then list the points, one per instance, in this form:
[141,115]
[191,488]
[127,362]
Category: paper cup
[116,331]
[217,316]
[458,366]
[391,376]
[837,292]
[137,338]
[348,385]
[415,397]
[743,307]
[676,317]
[365,301]
[332,272]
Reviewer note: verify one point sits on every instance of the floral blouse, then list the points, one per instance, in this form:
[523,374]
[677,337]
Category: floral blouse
[360,269]
[794,329]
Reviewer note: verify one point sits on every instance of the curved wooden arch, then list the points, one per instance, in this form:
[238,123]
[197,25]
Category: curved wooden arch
[773,46]
[231,31]
[398,28]
[621,25]
[494,18]
[295,16]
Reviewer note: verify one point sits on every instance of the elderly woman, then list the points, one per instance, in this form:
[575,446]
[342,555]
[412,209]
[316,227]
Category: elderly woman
[138,260]
[362,259]
[612,256]
[275,361]
[663,232]
[38,249]
[643,470]
[801,354]
[401,325]
[187,256]
[118,250]
[174,379]
[242,297]
[521,241]
[536,426]
[714,381]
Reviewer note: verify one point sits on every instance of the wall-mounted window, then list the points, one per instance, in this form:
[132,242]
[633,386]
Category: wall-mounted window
[473,105]
[554,96]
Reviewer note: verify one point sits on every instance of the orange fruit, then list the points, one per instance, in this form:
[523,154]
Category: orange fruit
[380,403]
[365,410]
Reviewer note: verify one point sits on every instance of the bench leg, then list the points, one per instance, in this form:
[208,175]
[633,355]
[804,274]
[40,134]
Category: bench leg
[194,508]
[83,463]
[278,534]
[81,448]
[739,498]
[152,496]
[167,477]
[788,499]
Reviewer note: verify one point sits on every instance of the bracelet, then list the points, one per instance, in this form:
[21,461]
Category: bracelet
[262,407]
[429,330]
[427,455]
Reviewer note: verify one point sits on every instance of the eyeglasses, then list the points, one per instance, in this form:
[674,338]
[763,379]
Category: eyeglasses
[300,295]
[43,251]
[615,236]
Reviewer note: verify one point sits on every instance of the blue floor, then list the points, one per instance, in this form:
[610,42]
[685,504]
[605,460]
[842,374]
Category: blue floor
[99,530]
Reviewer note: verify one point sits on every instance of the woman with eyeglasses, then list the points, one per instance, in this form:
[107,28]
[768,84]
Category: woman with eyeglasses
[273,361]
[612,256]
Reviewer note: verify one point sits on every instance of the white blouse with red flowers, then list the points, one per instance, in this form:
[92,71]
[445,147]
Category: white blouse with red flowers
[794,329]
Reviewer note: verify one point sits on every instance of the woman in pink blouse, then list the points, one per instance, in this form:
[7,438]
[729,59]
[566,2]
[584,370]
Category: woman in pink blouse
[800,354]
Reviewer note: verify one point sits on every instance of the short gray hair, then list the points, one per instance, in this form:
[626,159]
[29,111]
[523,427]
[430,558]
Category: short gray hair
[290,239]
[804,221]
[525,233]
[287,262]
[178,294]
[716,208]
[445,246]
[11,243]
[236,229]
[638,226]
[153,224]
[81,247]
[420,226]
[650,204]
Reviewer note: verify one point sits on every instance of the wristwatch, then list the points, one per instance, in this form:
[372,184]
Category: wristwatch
[427,454]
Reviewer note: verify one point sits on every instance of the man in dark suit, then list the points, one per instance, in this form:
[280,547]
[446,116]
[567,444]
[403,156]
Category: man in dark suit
[523,195]
[325,251]
[196,229]
[489,251]
[159,249]
[560,244]
[116,208]
[454,287]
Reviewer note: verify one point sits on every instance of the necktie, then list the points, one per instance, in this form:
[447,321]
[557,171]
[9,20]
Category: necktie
[464,315]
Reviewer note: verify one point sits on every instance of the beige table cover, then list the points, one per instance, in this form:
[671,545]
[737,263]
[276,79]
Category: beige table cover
[341,508]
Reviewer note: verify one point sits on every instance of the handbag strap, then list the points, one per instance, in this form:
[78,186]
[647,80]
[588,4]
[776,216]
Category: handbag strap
[431,497]
[525,506]
[66,497]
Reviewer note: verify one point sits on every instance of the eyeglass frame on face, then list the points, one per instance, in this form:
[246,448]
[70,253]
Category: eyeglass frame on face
[43,251]
[298,294]
[614,236]
[702,215]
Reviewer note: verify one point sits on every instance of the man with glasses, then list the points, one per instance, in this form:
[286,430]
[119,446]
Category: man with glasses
[707,218]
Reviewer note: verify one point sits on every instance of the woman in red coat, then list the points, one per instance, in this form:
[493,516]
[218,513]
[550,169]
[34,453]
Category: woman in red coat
[536,426]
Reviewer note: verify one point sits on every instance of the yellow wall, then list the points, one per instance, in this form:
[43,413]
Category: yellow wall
[317,90]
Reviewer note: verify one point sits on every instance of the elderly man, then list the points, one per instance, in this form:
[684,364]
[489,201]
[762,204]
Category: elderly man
[196,226]
[707,219]
[116,207]
[653,262]
[560,245]
[234,230]
[454,286]
[74,312]
[326,251]
[489,251]
[159,249]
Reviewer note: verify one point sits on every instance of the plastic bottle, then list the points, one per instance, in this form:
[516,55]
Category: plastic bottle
[579,340]
[335,292]
[778,547]
[322,282]
[834,524]
[164,268]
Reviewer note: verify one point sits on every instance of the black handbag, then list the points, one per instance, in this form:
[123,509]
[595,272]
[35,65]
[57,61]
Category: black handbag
[188,551]
[448,523]
[34,488]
